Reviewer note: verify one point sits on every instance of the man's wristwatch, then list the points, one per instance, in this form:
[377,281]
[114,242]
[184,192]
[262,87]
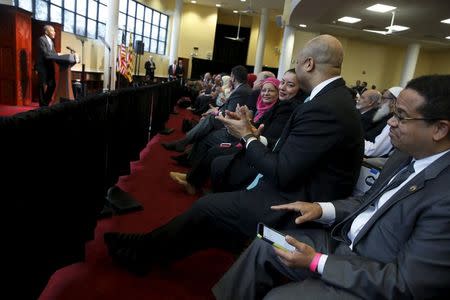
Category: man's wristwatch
[245,138]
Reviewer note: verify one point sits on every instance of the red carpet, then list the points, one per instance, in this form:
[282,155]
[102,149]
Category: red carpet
[7,110]
[150,184]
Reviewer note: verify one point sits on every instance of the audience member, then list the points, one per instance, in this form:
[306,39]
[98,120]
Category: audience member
[391,243]
[367,105]
[241,91]
[381,144]
[318,156]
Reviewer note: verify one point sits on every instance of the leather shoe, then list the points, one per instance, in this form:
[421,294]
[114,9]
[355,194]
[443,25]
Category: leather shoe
[117,240]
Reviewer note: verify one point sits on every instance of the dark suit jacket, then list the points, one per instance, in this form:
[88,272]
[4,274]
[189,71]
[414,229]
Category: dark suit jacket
[173,76]
[376,128]
[367,120]
[239,95]
[44,65]
[404,249]
[317,158]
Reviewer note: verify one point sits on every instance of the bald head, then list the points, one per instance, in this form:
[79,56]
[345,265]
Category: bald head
[260,77]
[319,60]
[368,100]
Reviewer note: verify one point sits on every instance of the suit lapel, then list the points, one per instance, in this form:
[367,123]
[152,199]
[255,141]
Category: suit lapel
[412,187]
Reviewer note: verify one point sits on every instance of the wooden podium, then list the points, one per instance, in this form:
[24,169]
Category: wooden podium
[64,86]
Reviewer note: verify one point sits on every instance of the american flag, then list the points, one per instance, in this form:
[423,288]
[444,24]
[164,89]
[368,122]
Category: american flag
[125,59]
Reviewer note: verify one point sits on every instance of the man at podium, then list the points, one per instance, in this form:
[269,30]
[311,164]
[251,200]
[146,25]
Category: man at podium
[45,66]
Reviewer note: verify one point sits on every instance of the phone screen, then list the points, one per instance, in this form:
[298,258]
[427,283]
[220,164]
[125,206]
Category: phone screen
[273,237]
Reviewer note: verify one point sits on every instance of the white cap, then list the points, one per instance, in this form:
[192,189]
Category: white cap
[395,90]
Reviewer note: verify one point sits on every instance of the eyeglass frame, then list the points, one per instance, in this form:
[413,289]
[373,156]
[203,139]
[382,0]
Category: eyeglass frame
[402,120]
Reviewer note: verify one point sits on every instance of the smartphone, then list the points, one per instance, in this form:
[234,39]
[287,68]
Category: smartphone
[275,238]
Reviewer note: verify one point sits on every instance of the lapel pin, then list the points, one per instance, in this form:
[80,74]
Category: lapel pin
[413,188]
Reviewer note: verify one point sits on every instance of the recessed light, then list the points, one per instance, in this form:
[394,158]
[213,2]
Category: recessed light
[219,5]
[349,20]
[235,11]
[302,25]
[395,28]
[243,0]
[446,21]
[193,1]
[381,8]
[448,37]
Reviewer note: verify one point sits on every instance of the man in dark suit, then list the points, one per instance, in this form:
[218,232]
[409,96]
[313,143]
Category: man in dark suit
[318,156]
[392,243]
[208,123]
[45,66]
[173,71]
[150,67]
[367,104]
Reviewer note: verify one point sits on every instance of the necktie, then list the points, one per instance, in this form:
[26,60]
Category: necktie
[400,178]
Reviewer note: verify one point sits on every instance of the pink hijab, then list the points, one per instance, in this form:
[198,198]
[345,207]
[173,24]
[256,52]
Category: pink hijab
[261,106]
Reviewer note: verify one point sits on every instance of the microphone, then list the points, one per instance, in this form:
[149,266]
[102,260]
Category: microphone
[71,49]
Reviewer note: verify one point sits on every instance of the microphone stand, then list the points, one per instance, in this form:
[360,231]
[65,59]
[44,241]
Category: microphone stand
[83,74]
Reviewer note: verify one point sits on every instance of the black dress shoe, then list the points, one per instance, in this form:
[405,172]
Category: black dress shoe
[169,146]
[117,240]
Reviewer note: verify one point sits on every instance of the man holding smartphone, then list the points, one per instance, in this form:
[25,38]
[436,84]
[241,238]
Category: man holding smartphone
[391,243]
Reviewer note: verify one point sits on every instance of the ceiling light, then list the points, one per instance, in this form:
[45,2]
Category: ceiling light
[395,28]
[235,11]
[448,37]
[193,1]
[446,21]
[302,25]
[381,8]
[243,0]
[349,20]
[219,5]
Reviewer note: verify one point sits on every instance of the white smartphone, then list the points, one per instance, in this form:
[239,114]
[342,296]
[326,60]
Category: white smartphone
[273,237]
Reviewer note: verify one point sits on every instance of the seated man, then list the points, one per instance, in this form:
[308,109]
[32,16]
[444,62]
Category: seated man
[378,143]
[208,123]
[318,156]
[367,105]
[392,243]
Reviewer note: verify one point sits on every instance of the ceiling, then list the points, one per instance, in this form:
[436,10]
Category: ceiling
[422,16]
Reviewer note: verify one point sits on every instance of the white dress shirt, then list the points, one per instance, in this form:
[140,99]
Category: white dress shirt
[329,211]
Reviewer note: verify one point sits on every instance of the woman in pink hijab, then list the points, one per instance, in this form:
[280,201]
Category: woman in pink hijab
[267,98]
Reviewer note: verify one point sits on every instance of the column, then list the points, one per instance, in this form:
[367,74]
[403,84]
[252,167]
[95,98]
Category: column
[109,69]
[261,40]
[287,48]
[409,67]
[175,37]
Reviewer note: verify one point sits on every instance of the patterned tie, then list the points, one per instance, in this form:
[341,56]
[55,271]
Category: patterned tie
[400,178]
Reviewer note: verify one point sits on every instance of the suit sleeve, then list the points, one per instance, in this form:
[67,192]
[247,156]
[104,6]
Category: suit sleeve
[314,132]
[421,270]
[43,45]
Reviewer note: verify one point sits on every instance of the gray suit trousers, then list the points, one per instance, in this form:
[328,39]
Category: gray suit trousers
[259,273]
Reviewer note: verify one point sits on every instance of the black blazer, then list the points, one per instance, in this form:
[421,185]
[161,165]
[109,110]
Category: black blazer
[44,64]
[239,95]
[317,158]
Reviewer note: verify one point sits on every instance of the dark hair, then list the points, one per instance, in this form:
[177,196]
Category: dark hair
[435,89]
[240,73]
[290,71]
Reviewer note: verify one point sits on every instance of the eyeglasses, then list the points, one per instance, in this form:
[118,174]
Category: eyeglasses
[402,119]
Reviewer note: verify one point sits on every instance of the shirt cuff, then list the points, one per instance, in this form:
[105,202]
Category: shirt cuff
[249,141]
[321,265]
[328,213]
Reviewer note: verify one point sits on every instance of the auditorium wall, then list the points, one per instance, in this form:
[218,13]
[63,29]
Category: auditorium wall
[197,29]
[379,64]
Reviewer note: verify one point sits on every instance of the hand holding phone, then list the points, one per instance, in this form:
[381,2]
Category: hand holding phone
[273,237]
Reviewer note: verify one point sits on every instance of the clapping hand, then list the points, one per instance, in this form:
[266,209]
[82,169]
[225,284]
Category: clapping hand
[238,123]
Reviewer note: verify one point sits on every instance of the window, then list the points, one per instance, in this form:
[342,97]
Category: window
[142,23]
[80,17]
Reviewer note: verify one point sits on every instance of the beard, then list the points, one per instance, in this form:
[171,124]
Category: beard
[382,112]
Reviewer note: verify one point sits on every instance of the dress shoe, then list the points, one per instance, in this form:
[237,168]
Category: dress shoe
[117,240]
[135,260]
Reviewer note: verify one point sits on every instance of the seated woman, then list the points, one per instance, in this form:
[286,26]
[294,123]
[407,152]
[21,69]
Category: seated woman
[274,120]
[232,172]
[197,176]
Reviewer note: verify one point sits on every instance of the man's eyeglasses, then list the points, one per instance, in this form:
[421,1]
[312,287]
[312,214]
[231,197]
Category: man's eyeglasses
[403,119]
